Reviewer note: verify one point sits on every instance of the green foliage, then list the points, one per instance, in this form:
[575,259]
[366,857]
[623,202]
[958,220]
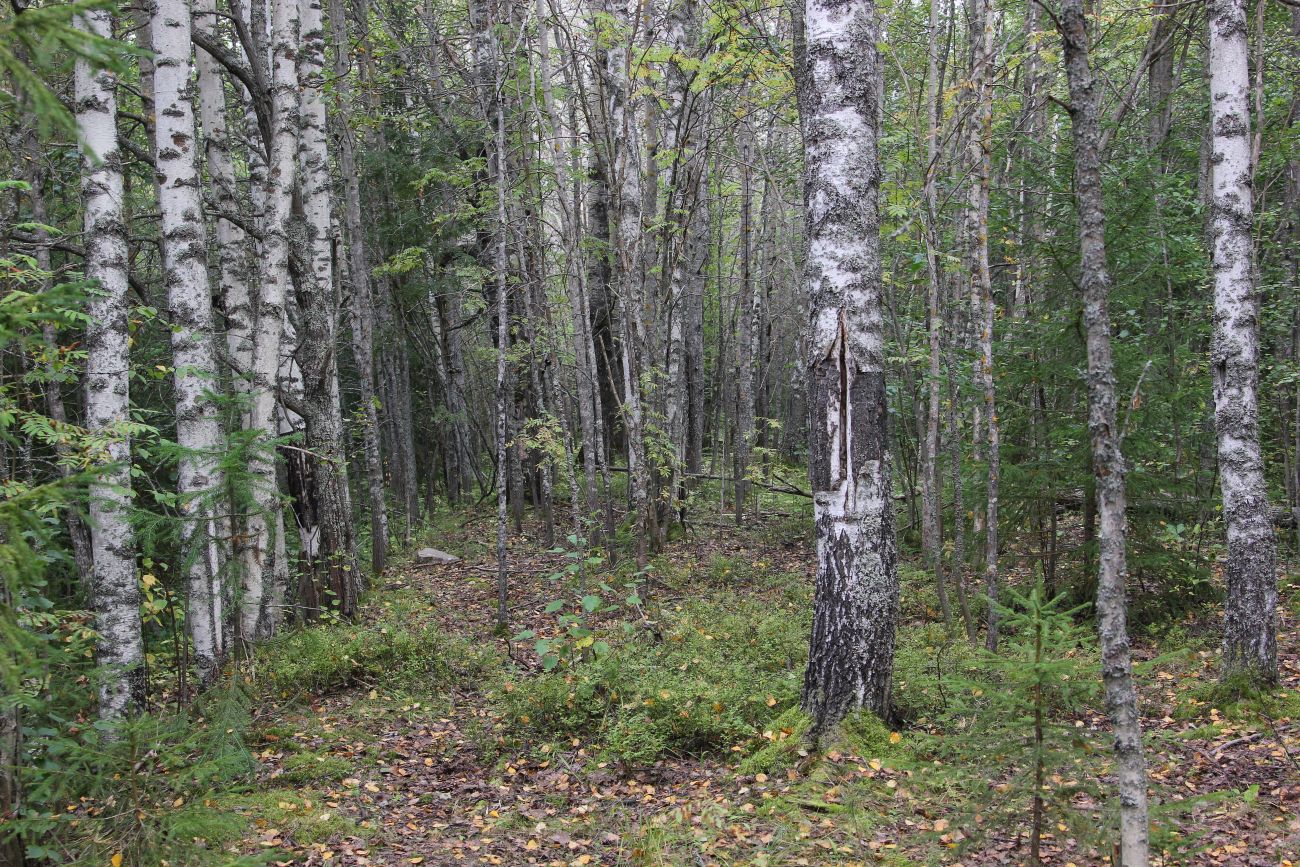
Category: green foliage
[722,672]
[38,40]
[1013,715]
[397,651]
[95,790]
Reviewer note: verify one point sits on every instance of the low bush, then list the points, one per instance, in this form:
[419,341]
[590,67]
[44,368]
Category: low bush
[722,672]
[396,651]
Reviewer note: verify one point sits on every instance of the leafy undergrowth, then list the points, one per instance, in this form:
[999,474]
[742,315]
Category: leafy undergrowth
[665,730]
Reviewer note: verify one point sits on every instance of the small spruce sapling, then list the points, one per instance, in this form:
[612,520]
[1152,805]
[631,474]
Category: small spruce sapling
[1020,709]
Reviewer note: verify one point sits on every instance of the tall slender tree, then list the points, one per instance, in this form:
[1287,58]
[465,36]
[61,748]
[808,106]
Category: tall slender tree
[120,647]
[1250,609]
[189,297]
[1104,436]
[259,613]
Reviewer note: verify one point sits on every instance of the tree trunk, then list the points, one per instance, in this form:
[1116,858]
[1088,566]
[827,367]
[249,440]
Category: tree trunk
[258,619]
[1250,609]
[982,306]
[362,302]
[624,146]
[851,650]
[12,845]
[931,518]
[317,304]
[184,247]
[119,650]
[1104,435]
[745,337]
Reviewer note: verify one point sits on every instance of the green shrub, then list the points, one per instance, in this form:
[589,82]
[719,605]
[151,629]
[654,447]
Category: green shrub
[928,663]
[127,779]
[396,651]
[724,670]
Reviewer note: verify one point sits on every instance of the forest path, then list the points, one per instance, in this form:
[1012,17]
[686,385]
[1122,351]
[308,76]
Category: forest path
[436,782]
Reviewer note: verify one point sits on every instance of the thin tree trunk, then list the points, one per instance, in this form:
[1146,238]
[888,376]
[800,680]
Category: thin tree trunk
[1250,609]
[931,519]
[745,337]
[258,618]
[1107,460]
[982,306]
[851,650]
[363,324]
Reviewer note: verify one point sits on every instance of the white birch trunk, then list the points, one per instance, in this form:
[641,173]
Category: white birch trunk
[184,246]
[317,309]
[624,139]
[258,560]
[851,650]
[1250,610]
[120,648]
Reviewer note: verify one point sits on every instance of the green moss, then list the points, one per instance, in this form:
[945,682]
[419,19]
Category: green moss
[307,768]
[225,824]
[785,744]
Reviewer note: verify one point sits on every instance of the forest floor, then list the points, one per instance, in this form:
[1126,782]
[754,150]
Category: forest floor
[419,737]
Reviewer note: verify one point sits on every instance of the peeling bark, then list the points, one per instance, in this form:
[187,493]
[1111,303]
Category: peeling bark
[851,649]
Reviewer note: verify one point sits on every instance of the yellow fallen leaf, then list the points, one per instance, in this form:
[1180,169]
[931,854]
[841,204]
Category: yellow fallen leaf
[117,860]
[895,737]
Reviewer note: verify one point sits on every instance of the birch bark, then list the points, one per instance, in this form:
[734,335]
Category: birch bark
[624,146]
[317,309]
[982,305]
[120,648]
[184,246]
[258,557]
[851,649]
[1250,609]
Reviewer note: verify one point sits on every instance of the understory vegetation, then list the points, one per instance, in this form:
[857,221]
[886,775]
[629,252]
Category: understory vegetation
[313,752]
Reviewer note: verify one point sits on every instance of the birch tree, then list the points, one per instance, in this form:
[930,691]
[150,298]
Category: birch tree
[119,649]
[1250,609]
[258,561]
[316,309]
[851,650]
[184,245]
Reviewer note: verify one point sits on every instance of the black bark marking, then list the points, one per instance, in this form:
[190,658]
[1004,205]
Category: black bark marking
[869,417]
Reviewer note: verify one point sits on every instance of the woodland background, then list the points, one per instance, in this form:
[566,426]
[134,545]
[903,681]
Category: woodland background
[291,290]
